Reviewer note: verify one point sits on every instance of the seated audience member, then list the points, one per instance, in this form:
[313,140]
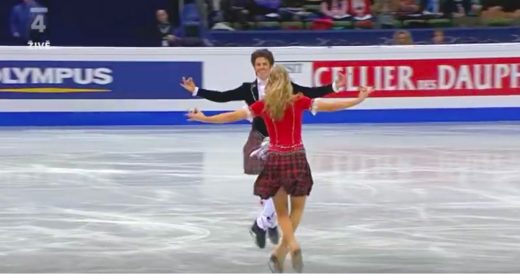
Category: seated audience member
[265,9]
[408,8]
[507,5]
[212,12]
[360,9]
[403,37]
[165,31]
[191,31]
[384,11]
[362,13]
[431,7]
[336,9]
[463,12]
[293,10]
[460,8]
[438,37]
[500,9]
[237,11]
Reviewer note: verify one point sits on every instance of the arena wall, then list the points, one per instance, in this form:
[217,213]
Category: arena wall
[53,86]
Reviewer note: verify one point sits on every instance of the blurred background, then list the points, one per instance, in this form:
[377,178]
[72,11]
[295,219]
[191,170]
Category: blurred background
[137,23]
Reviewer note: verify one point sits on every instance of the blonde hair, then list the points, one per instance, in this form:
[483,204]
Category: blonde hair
[408,40]
[278,92]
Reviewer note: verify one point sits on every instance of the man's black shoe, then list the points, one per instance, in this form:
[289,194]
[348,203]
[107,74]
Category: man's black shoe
[258,234]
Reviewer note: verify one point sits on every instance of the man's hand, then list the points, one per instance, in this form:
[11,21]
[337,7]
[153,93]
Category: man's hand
[188,84]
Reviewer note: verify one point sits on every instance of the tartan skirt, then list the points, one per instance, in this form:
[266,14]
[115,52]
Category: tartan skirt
[289,170]
[253,165]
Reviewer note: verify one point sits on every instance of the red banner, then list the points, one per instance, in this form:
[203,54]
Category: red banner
[416,78]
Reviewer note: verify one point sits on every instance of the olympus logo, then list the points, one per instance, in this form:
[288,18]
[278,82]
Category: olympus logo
[80,76]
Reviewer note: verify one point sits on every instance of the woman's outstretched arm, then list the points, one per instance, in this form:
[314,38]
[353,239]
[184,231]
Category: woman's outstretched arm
[222,118]
[340,104]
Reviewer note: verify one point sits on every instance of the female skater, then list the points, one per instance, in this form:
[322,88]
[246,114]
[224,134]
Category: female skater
[250,92]
[286,172]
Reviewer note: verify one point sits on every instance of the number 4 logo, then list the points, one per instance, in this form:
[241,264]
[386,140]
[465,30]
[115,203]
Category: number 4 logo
[39,23]
[39,19]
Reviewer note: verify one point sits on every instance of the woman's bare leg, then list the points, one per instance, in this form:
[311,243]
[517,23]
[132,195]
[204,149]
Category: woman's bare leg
[280,200]
[297,206]
[288,222]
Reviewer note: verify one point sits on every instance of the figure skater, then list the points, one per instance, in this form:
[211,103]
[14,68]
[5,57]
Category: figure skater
[286,174]
[262,61]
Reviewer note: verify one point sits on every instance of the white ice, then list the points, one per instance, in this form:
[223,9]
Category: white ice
[387,198]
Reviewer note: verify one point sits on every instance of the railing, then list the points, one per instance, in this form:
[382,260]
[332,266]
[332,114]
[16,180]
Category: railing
[269,38]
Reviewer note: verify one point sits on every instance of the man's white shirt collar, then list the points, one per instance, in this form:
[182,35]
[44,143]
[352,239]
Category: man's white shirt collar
[261,87]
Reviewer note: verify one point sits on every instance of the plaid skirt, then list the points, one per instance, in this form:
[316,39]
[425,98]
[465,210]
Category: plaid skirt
[253,165]
[289,170]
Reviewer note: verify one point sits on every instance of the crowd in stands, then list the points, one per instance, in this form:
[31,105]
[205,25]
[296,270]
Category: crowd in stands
[345,14]
[324,15]
[196,22]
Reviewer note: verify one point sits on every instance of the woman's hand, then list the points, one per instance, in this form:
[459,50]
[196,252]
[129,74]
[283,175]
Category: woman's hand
[364,92]
[196,115]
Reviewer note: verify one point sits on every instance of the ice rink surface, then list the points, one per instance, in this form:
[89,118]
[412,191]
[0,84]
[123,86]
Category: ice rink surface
[386,198]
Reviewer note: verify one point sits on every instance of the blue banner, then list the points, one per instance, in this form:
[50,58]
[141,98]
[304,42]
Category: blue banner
[96,80]
[358,37]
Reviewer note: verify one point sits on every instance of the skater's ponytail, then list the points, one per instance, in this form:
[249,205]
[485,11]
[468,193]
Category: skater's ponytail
[278,92]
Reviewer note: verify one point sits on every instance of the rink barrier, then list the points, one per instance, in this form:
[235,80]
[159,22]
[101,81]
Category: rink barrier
[140,86]
[178,118]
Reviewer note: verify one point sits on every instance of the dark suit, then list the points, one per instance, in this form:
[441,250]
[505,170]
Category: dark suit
[248,92]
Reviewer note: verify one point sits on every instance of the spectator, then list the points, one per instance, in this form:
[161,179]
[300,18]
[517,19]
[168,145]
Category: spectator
[165,31]
[335,9]
[462,12]
[500,9]
[293,10]
[431,7]
[191,32]
[360,9]
[384,11]
[362,14]
[506,5]
[28,22]
[403,37]
[438,37]
[460,8]
[408,7]
[236,11]
[265,9]
[213,14]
